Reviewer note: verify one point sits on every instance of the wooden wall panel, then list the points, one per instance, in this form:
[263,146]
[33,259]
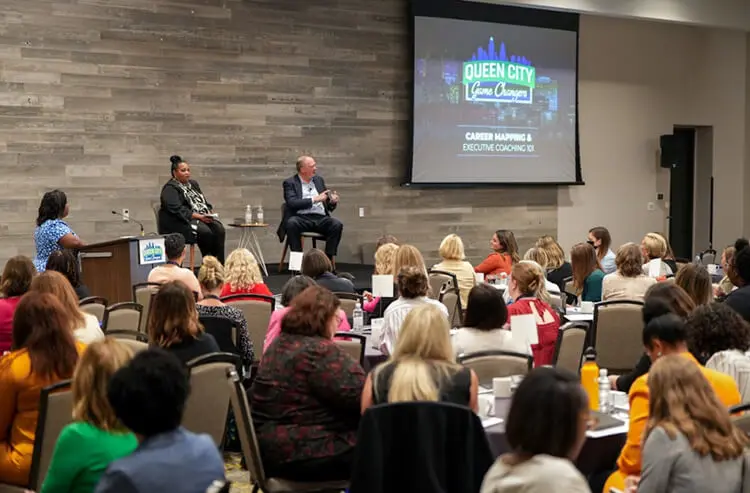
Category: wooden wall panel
[96,94]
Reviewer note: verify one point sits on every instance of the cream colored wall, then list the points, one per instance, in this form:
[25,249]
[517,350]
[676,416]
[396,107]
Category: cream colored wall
[637,80]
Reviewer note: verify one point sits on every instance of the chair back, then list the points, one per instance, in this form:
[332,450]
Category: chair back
[143,292]
[156,207]
[223,330]
[352,344]
[556,301]
[492,364]
[55,412]
[122,316]
[708,257]
[95,305]
[618,325]
[207,407]
[452,302]
[571,342]
[348,302]
[741,417]
[440,281]
[257,310]
[137,341]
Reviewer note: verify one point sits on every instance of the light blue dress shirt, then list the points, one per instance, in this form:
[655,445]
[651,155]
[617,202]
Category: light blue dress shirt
[309,191]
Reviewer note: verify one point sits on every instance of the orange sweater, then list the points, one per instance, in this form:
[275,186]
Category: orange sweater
[494,264]
[629,462]
[19,410]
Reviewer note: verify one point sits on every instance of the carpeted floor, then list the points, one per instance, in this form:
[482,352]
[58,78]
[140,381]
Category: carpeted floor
[239,477]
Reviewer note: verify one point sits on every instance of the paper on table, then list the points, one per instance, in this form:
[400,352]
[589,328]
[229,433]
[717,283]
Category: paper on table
[616,430]
[712,269]
[479,277]
[487,422]
[295,261]
[382,286]
[523,329]
[654,268]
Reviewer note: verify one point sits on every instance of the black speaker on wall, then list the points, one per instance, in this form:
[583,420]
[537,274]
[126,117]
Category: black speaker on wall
[672,154]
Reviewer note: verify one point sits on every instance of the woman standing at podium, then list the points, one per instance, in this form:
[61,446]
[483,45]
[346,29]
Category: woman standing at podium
[52,233]
[184,209]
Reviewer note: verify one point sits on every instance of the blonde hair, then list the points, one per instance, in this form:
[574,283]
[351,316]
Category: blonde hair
[423,343]
[56,284]
[242,270]
[384,257]
[681,400]
[407,256]
[452,248]
[531,280]
[95,368]
[555,254]
[211,273]
[655,245]
[537,255]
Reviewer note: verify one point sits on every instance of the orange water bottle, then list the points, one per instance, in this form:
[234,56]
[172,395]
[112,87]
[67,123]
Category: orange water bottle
[589,378]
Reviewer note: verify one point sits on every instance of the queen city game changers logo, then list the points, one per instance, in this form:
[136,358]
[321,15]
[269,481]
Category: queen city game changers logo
[492,78]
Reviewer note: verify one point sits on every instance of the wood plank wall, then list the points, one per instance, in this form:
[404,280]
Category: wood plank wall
[96,94]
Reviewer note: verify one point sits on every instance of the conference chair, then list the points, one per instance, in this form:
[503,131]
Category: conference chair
[122,316]
[251,449]
[95,305]
[617,329]
[349,302]
[571,342]
[137,341]
[452,302]
[257,309]
[143,292]
[492,364]
[352,344]
[440,281]
[224,331]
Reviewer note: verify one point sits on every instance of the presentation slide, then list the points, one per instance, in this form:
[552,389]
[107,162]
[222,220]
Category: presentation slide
[493,103]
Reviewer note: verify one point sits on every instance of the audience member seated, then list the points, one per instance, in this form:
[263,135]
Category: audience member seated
[44,352]
[669,258]
[211,279]
[720,338]
[453,261]
[385,239]
[526,288]
[317,265]
[725,286]
[662,336]
[66,263]
[96,437]
[660,299]
[543,444]
[539,256]
[174,244]
[690,442]
[291,289]
[85,326]
[587,273]
[696,281]
[558,269]
[504,254]
[173,323]
[601,240]
[413,287]
[14,283]
[739,299]
[148,396]
[422,366]
[628,282]
[52,233]
[306,397]
[385,256]
[243,275]
[653,247]
[484,324]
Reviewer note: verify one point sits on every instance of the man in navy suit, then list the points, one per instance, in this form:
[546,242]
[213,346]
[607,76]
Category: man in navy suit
[308,208]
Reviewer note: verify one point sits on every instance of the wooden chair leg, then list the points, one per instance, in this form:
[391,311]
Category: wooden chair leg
[283,255]
[192,257]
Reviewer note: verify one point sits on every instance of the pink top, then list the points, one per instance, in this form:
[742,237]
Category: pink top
[274,325]
[370,306]
[7,309]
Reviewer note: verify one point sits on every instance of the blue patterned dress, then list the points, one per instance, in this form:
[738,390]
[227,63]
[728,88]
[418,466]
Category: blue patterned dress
[46,238]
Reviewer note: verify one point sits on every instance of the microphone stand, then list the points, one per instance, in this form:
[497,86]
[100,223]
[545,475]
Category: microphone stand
[128,219]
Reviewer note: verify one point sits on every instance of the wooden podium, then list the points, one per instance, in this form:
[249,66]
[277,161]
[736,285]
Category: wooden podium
[110,268]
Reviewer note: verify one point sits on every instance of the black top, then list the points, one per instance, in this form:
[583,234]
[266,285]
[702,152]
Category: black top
[455,389]
[334,283]
[739,300]
[176,211]
[624,382]
[189,349]
[558,276]
[82,291]
[672,263]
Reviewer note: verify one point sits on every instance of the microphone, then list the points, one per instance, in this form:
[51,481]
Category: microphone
[143,231]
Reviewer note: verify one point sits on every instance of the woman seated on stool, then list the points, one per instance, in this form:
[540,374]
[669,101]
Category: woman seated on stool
[184,209]
[173,323]
[422,366]
[484,324]
[243,275]
[52,233]
[628,282]
[64,262]
[587,273]
[305,399]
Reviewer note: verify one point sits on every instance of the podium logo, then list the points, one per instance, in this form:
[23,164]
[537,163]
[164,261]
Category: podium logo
[153,252]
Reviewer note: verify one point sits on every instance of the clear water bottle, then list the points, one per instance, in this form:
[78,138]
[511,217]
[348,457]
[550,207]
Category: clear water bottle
[604,390]
[259,216]
[248,214]
[358,318]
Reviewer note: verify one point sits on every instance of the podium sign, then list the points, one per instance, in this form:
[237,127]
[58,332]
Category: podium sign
[151,251]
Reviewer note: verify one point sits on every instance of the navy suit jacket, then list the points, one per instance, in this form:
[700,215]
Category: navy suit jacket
[294,202]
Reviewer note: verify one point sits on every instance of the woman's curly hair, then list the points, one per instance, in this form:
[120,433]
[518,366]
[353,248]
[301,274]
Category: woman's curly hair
[716,327]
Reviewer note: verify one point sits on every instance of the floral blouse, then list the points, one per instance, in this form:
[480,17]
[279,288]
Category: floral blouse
[306,400]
